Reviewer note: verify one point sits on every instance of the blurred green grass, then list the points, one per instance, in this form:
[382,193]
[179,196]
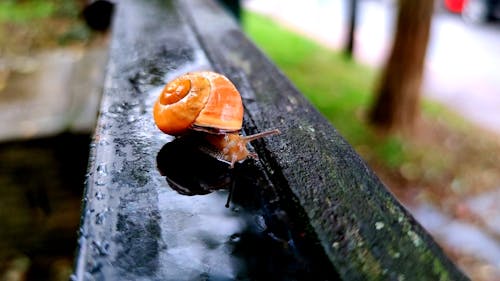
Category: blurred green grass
[13,11]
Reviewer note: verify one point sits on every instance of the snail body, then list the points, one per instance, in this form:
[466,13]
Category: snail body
[209,103]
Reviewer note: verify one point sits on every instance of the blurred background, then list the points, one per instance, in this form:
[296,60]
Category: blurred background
[51,73]
[437,151]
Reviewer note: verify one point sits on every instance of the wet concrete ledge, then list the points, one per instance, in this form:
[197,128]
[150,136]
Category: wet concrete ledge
[154,208]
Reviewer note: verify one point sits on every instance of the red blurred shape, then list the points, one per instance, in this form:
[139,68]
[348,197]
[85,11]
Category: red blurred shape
[455,6]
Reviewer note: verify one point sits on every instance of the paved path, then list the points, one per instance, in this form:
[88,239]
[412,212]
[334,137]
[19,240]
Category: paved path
[463,62]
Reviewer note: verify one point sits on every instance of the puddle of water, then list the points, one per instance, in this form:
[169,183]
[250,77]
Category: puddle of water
[262,235]
[192,172]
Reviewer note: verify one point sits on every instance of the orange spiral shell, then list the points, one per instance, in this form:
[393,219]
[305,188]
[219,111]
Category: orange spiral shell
[203,101]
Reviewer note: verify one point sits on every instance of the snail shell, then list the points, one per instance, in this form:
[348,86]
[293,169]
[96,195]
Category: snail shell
[202,101]
[206,102]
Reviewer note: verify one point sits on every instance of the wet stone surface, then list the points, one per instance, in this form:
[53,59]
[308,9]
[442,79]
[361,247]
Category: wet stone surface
[242,228]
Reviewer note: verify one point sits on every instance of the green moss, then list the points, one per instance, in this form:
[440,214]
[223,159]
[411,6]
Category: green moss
[440,270]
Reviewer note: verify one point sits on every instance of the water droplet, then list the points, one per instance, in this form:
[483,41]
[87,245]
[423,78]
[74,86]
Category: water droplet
[101,249]
[335,245]
[116,108]
[235,237]
[102,169]
[99,218]
[81,240]
[99,195]
[103,142]
[261,223]
[83,234]
[107,125]
[99,182]
[96,267]
[131,119]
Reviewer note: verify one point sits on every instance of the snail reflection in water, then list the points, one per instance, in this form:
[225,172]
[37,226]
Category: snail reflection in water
[190,171]
[208,105]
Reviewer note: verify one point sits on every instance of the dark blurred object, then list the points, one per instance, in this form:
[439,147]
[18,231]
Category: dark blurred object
[41,186]
[352,14]
[476,11]
[98,14]
[234,7]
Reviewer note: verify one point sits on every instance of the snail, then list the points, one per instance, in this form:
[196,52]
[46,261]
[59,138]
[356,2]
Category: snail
[206,102]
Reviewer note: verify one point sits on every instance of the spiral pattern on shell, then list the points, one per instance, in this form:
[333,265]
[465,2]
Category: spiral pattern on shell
[204,101]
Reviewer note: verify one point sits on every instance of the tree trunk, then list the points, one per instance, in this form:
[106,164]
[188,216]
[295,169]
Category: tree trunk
[352,16]
[397,105]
